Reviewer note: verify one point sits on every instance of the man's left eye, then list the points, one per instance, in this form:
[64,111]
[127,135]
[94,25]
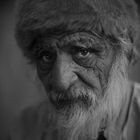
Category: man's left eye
[81,53]
[84,56]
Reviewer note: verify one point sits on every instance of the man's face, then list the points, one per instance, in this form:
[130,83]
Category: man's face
[74,69]
[81,68]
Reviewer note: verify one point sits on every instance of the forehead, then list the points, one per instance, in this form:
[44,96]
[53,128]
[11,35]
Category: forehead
[58,17]
[79,38]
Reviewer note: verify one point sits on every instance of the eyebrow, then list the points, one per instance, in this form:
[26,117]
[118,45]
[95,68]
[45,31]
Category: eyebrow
[63,33]
[62,30]
[82,39]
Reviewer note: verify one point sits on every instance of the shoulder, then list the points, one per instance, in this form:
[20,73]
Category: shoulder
[137,92]
[135,103]
[132,126]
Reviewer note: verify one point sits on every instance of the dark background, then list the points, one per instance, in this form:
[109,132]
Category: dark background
[16,90]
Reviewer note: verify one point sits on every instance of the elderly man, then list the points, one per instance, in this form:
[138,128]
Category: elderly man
[81,51]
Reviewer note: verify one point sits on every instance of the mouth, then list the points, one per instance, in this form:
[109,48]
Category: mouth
[63,101]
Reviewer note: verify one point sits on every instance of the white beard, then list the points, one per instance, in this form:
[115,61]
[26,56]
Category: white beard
[80,124]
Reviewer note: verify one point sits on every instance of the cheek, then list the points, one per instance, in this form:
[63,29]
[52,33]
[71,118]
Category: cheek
[104,67]
[90,77]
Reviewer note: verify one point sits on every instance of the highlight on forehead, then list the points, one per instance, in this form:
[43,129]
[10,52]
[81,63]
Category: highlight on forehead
[83,38]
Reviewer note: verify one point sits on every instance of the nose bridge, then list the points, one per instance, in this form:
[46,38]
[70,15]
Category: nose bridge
[62,73]
[63,67]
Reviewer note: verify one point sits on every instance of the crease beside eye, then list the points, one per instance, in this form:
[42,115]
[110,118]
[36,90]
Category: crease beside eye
[87,51]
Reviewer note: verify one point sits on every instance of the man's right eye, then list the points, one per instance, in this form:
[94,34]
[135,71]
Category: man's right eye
[47,57]
[45,61]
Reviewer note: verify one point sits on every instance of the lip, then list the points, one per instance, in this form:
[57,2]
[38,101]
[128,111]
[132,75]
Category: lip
[63,101]
[60,101]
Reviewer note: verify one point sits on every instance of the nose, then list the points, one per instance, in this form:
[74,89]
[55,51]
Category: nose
[62,75]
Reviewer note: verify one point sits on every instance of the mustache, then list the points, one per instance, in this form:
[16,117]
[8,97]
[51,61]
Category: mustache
[74,95]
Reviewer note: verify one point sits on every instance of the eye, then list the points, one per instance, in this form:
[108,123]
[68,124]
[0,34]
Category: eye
[45,61]
[81,52]
[47,56]
[84,56]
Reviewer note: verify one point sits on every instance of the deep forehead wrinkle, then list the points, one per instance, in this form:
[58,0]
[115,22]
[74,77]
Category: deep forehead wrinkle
[82,39]
[79,37]
[108,17]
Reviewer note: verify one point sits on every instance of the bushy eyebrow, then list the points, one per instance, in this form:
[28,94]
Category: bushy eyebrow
[84,39]
[66,37]
[64,33]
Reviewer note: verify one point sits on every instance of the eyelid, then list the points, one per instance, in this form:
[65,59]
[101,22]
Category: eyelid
[90,49]
[91,46]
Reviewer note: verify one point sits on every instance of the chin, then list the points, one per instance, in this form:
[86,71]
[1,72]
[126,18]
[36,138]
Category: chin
[72,112]
[77,117]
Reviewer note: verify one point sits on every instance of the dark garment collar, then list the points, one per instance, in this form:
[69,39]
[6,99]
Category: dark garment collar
[101,136]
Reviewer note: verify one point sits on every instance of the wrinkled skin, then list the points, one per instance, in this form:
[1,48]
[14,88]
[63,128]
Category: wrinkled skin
[80,51]
[73,65]
[74,70]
